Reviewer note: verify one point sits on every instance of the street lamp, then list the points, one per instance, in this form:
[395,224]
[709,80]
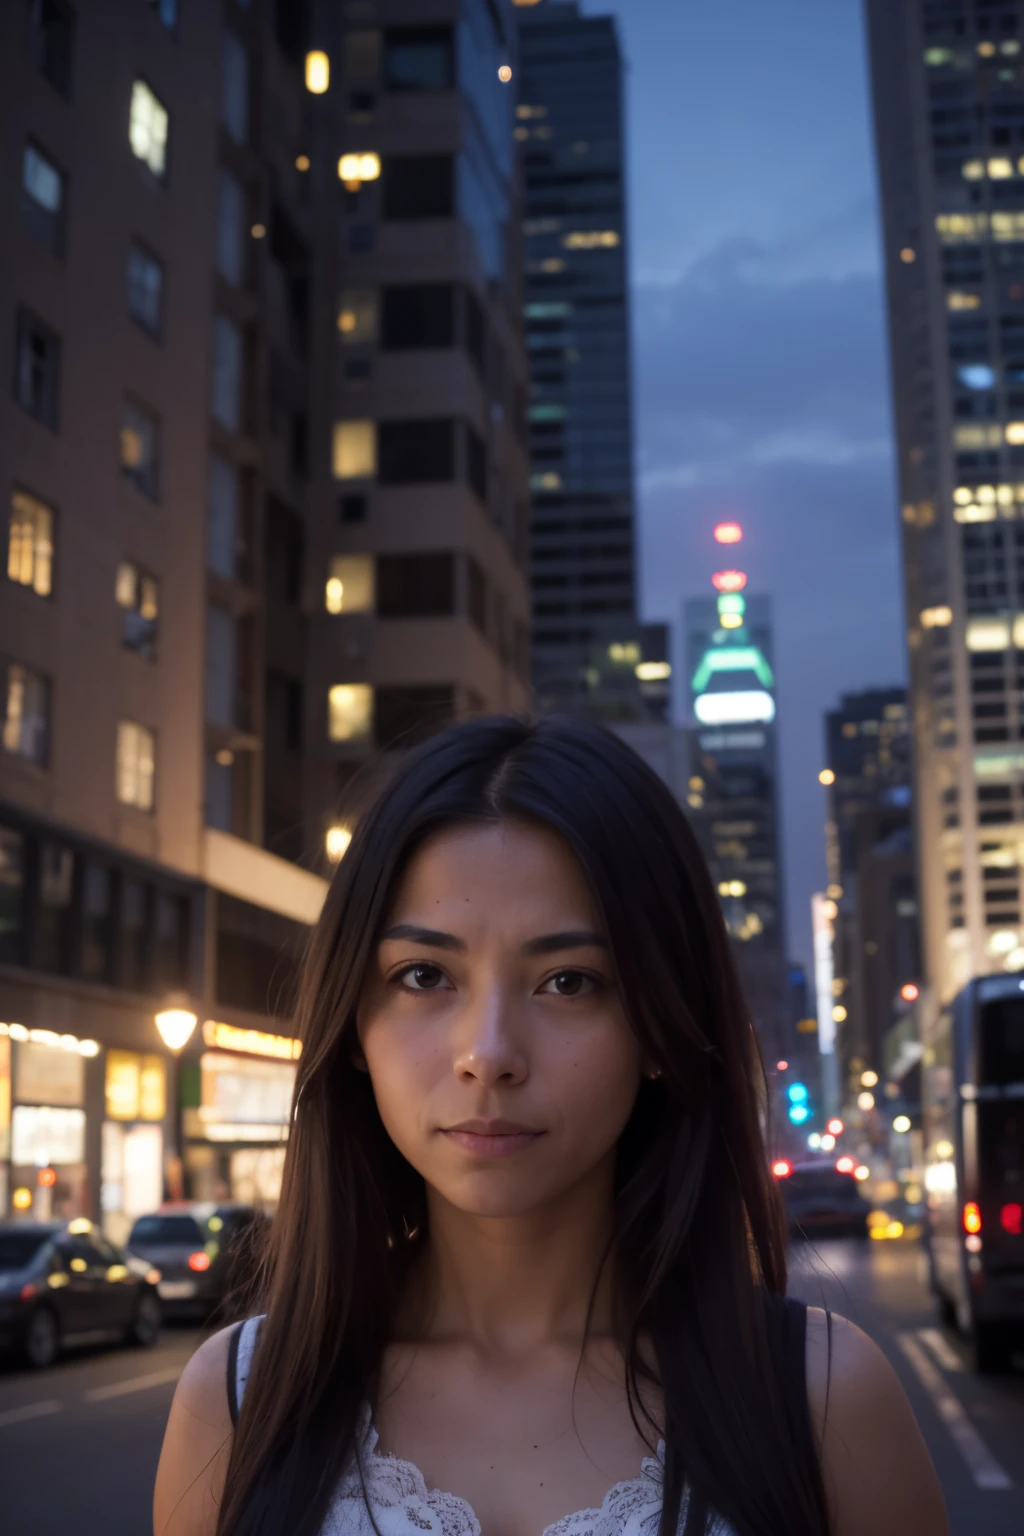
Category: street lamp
[176,1026]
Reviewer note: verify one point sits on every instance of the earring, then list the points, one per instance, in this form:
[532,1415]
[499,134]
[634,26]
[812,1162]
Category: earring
[655,1074]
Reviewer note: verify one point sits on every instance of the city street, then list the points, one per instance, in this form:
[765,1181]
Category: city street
[79,1443]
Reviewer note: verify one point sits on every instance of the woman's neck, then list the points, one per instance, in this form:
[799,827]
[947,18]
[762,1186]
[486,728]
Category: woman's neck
[509,1284]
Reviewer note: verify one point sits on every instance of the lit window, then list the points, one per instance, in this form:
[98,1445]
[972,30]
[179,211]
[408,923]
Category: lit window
[977,435]
[350,584]
[26,722]
[350,712]
[136,765]
[549,481]
[938,56]
[1006,226]
[357,316]
[1015,432]
[235,88]
[977,376]
[988,635]
[973,170]
[354,450]
[354,169]
[30,543]
[42,202]
[318,72]
[975,512]
[999,168]
[958,301]
[140,449]
[986,49]
[147,128]
[145,289]
[138,595]
[961,228]
[934,618]
[590,239]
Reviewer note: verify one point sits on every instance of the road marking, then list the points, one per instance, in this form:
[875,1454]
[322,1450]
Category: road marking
[940,1349]
[136,1384]
[984,1468]
[30,1411]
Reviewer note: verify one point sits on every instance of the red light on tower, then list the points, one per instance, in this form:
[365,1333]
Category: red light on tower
[729,581]
[728,533]
[910,992]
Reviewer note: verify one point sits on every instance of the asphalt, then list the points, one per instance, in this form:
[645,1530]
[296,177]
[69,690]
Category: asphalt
[79,1443]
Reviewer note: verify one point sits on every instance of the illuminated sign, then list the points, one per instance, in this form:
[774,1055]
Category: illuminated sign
[729,581]
[741,706]
[733,658]
[252,1042]
[732,741]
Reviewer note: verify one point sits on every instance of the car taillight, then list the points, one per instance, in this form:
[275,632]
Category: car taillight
[27,1292]
[845,1165]
[199,1261]
[972,1217]
[782,1169]
[153,1277]
[1011,1218]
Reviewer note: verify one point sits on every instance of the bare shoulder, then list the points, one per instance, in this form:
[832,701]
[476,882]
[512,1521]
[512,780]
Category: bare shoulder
[879,1477]
[197,1443]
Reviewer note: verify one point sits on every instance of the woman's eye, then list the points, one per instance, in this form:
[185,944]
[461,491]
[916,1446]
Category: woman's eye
[569,984]
[422,978]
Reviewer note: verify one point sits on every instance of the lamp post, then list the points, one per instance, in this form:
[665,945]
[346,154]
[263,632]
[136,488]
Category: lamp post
[176,1026]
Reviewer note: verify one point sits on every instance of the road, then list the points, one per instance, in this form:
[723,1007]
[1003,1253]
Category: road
[79,1443]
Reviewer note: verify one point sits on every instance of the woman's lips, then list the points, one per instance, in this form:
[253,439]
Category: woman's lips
[497,1139]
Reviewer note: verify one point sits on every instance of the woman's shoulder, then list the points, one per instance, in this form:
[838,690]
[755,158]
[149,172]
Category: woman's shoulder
[878,1475]
[197,1441]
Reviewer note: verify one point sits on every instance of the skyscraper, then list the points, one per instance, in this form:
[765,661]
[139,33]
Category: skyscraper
[570,126]
[733,788]
[948,88]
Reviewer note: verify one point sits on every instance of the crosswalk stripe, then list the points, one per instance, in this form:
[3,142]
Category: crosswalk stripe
[985,1470]
[940,1349]
[135,1384]
[30,1411]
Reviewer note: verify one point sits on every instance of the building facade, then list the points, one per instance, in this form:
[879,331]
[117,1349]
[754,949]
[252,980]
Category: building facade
[948,86]
[872,887]
[733,790]
[265,483]
[571,131]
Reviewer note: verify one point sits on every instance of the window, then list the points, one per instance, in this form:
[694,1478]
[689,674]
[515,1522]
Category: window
[285,553]
[405,716]
[417,451]
[96,950]
[134,942]
[42,199]
[350,712]
[235,88]
[12,890]
[52,946]
[170,940]
[51,41]
[222,527]
[166,13]
[418,317]
[418,187]
[360,239]
[147,129]
[37,368]
[476,463]
[419,59]
[354,450]
[476,594]
[357,316]
[284,711]
[231,246]
[221,668]
[415,586]
[354,509]
[362,56]
[350,584]
[136,765]
[145,289]
[26,724]
[226,401]
[140,449]
[30,543]
[138,596]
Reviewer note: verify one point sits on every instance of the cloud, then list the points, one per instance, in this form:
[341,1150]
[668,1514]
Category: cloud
[764,396]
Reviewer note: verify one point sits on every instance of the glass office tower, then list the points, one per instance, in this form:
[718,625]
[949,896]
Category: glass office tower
[570,127]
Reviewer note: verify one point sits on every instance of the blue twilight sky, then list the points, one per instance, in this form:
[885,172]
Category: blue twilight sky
[761,376]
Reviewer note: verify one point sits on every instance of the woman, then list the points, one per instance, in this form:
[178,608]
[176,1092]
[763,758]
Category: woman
[529,1258]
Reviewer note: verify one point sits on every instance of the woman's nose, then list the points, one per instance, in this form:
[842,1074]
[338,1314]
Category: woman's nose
[487,1044]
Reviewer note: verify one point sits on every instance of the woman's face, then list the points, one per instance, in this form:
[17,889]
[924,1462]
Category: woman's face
[501,1060]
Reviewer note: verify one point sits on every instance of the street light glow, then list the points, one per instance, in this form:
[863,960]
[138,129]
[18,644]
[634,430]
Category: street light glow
[826,777]
[901,1125]
[176,1026]
[865,1101]
[318,72]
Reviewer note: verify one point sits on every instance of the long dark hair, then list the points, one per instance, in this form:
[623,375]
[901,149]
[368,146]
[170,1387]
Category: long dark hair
[698,1248]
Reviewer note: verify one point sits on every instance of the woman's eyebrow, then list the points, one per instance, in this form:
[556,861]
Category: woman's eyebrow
[431,937]
[552,943]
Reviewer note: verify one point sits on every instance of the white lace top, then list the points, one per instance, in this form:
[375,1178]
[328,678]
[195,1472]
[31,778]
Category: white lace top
[403,1505]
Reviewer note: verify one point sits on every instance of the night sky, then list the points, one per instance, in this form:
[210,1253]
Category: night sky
[761,377]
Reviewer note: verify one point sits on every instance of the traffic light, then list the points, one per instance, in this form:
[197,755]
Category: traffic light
[799,1109]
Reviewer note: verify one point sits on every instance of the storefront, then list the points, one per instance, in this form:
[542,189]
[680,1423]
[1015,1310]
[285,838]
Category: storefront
[43,1121]
[236,1109]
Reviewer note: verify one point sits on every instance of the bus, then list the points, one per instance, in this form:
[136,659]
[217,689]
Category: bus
[972,1093]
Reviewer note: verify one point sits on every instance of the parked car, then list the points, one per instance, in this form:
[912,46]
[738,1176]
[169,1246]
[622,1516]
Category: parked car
[822,1200]
[62,1283]
[202,1250]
